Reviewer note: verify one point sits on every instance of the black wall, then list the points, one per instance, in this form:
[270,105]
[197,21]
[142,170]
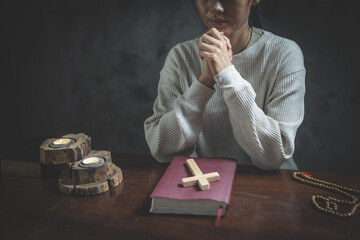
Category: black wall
[93,67]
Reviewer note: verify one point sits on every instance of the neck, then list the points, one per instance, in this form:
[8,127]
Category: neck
[240,38]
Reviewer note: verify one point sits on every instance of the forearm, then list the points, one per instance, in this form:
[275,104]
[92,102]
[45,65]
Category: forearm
[267,137]
[176,130]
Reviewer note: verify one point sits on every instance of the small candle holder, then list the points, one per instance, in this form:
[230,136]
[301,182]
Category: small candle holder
[92,175]
[67,149]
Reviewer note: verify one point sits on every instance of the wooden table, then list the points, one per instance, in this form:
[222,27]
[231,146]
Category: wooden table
[263,205]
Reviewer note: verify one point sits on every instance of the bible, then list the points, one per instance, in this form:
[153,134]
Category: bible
[170,196]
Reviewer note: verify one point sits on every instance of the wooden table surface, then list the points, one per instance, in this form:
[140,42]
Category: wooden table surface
[263,205]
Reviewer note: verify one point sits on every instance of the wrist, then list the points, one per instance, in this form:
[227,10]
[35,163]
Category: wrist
[220,68]
[208,81]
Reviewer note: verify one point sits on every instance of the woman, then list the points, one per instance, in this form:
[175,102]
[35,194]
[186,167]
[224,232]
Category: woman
[247,106]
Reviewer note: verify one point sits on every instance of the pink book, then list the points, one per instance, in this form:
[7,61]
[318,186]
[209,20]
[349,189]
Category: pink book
[169,196]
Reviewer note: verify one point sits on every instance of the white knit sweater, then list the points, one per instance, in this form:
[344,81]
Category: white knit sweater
[251,115]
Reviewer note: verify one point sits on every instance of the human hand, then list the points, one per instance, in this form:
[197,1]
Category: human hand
[206,76]
[228,46]
[215,47]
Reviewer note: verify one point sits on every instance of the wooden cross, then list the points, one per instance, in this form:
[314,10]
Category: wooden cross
[199,178]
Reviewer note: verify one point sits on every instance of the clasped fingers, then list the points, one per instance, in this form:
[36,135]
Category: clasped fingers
[216,59]
[216,52]
[221,44]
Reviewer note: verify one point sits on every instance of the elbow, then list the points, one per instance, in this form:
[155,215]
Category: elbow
[270,161]
[274,156]
[159,157]
[153,142]
[157,152]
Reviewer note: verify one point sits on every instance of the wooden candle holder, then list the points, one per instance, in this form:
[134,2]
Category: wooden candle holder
[77,149]
[87,178]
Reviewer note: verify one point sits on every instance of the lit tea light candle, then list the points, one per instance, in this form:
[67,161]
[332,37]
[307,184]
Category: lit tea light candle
[91,161]
[61,142]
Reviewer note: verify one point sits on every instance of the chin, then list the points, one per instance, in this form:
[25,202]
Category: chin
[226,30]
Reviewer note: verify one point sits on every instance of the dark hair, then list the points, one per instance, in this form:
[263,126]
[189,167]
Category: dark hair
[254,19]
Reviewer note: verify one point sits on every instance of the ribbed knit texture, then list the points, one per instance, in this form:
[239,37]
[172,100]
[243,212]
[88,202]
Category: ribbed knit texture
[251,115]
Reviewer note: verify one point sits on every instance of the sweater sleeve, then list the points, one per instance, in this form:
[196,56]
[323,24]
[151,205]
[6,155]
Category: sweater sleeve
[268,135]
[176,123]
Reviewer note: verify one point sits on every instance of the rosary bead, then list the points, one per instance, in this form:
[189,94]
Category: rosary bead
[330,202]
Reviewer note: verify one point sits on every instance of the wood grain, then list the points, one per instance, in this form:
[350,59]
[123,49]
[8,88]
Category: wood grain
[263,205]
[84,181]
[68,154]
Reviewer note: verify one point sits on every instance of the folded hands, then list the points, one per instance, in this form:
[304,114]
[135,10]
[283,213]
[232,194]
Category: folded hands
[216,53]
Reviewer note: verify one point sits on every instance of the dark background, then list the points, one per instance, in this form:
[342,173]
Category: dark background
[93,67]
